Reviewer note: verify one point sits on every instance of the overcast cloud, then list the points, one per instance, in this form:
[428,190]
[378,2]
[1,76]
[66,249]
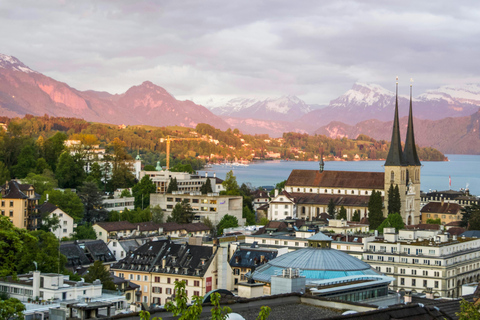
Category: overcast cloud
[200,49]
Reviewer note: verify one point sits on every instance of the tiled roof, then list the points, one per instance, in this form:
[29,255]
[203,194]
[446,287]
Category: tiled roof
[147,226]
[449,307]
[98,250]
[14,190]
[260,194]
[456,231]
[116,225]
[443,208]
[129,245]
[251,257]
[189,227]
[188,259]
[46,208]
[399,312]
[423,226]
[75,255]
[80,253]
[336,179]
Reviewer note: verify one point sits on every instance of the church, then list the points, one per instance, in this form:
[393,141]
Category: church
[308,192]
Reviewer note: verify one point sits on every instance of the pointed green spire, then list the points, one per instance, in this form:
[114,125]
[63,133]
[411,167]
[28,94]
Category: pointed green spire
[410,152]
[395,155]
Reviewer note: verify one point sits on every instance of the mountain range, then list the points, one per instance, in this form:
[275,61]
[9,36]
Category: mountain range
[444,117]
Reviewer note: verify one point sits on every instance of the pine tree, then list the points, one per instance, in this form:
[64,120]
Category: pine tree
[394,204]
[331,208]
[343,213]
[356,216]
[206,187]
[375,210]
[390,199]
[172,185]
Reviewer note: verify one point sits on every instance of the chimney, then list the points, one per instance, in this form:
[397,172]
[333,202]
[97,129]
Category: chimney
[47,198]
[164,261]
[276,192]
[214,175]
[206,174]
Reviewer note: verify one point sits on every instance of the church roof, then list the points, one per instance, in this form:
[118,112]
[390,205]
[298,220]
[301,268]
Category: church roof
[336,179]
[410,156]
[324,199]
[395,154]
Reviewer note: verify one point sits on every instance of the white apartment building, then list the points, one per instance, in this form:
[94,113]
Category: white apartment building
[118,204]
[282,206]
[65,222]
[422,260]
[186,182]
[212,205]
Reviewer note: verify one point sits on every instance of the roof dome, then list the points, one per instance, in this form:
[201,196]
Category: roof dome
[315,264]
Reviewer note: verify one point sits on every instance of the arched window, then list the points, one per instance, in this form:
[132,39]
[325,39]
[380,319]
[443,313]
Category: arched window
[392,176]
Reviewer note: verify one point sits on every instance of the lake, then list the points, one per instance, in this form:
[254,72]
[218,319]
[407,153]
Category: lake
[464,171]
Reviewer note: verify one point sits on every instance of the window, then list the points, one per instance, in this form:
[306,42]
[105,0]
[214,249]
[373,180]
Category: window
[424,283]
[402,281]
[131,277]
[286,206]
[196,293]
[64,230]
[437,274]
[138,277]
[145,278]
[114,243]
[196,283]
[436,284]
[296,244]
[121,275]
[285,243]
[11,213]
[389,270]
[168,280]
[438,263]
[157,279]
[168,290]
[3,203]
[402,271]
[65,223]
[11,203]
[414,282]
[425,272]
[414,272]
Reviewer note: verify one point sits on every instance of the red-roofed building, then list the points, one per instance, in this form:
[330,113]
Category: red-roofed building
[447,212]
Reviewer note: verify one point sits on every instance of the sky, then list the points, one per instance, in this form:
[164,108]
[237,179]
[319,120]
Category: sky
[215,50]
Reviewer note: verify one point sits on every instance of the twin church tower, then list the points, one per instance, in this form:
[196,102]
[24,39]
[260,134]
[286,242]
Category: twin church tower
[402,168]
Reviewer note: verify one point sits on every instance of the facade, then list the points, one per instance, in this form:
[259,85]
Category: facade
[19,202]
[156,266]
[65,222]
[186,182]
[282,206]
[118,204]
[445,211]
[312,190]
[345,227]
[422,260]
[212,205]
[462,197]
[114,229]
[246,259]
[82,254]
[260,198]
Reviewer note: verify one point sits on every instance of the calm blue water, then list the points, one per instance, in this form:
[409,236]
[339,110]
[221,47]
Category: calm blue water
[463,169]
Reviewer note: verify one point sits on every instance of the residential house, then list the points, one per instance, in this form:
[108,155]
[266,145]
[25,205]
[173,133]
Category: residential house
[282,206]
[113,229]
[447,212]
[65,222]
[81,254]
[186,182]
[19,202]
[246,259]
[156,266]
[260,198]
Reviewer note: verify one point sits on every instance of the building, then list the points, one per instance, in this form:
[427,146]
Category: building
[186,182]
[246,259]
[19,202]
[445,211]
[156,266]
[426,259]
[462,197]
[324,267]
[260,198]
[65,222]
[113,229]
[282,206]
[345,227]
[82,254]
[118,204]
[212,205]
[310,191]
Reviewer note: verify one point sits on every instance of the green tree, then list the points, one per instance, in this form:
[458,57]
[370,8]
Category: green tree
[149,167]
[394,204]
[393,220]
[206,187]
[125,193]
[41,166]
[474,221]
[92,201]
[70,171]
[122,176]
[356,216]
[467,213]
[434,221]
[27,161]
[468,311]
[157,214]
[98,271]
[66,200]
[208,222]
[52,149]
[172,185]
[11,309]
[218,313]
[83,232]
[4,173]
[182,213]
[142,190]
[227,221]
[49,223]
[96,174]
[342,213]
[331,208]
[42,182]
[230,184]
[179,304]
[263,221]
[249,216]
[375,210]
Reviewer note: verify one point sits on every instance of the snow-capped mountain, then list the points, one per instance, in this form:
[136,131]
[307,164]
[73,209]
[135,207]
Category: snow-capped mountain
[12,63]
[469,93]
[286,108]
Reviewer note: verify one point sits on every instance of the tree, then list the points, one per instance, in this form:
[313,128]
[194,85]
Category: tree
[96,175]
[122,176]
[230,184]
[208,222]
[182,213]
[4,173]
[125,193]
[41,166]
[394,204]
[50,223]
[356,216]
[434,221]
[343,213]
[142,190]
[227,221]
[66,200]
[331,208]
[393,220]
[83,232]
[52,149]
[468,311]
[206,187]
[11,309]
[98,271]
[149,167]
[172,185]
[70,171]
[474,222]
[179,304]
[467,213]
[249,216]
[157,213]
[27,161]
[92,202]
[263,221]
[42,182]
[375,210]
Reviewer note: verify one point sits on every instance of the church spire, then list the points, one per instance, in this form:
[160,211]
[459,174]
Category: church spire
[395,156]
[410,152]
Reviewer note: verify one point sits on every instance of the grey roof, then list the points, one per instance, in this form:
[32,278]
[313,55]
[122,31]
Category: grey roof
[395,154]
[410,156]
[471,234]
[320,237]
[251,257]
[129,245]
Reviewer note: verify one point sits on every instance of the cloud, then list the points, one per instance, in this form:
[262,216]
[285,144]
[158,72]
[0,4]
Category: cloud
[200,49]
